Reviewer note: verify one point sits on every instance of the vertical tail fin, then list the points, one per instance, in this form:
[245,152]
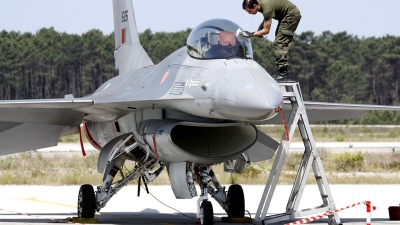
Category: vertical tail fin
[129,53]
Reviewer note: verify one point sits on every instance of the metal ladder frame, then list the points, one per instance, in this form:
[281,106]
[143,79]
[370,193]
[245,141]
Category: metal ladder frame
[311,158]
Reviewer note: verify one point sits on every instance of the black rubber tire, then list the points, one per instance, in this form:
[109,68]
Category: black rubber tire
[235,199]
[86,201]
[208,213]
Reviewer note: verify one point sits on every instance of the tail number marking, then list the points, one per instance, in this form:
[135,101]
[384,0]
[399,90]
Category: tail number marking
[125,16]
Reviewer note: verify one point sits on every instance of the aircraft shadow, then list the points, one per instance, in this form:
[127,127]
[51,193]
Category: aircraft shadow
[146,216]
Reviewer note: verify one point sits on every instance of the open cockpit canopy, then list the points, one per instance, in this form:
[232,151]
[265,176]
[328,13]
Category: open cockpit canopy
[218,39]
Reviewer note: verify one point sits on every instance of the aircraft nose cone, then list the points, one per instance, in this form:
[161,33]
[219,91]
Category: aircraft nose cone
[247,95]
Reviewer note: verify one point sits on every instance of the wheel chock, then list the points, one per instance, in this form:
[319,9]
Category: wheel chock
[84,220]
[236,220]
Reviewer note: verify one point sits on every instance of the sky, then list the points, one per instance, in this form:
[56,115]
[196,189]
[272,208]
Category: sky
[356,17]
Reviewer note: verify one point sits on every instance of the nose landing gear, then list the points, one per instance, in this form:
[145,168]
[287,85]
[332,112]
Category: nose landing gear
[205,210]
[232,201]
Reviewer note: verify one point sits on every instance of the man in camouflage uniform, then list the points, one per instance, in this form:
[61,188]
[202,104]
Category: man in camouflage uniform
[288,16]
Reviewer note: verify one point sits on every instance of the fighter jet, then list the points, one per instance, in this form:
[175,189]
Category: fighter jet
[197,108]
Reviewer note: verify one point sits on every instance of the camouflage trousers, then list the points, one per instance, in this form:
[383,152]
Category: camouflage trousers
[283,38]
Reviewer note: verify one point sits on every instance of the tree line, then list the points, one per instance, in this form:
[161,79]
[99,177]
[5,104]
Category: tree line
[331,67]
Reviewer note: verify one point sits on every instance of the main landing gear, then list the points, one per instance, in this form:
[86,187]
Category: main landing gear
[90,201]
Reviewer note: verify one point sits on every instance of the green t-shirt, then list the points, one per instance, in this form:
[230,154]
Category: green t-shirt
[277,9]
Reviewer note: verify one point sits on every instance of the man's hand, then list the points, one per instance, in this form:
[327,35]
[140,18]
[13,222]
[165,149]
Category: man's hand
[246,34]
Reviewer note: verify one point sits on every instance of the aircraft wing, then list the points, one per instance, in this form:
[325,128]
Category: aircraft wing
[323,111]
[31,124]
[50,111]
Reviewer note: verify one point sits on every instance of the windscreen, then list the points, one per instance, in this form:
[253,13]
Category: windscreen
[218,39]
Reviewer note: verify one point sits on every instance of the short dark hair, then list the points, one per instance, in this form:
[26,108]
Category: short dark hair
[249,4]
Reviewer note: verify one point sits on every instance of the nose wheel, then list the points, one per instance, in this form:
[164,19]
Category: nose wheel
[86,201]
[208,213]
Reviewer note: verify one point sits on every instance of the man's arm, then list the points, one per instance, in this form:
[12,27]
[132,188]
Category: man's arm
[264,29]
[261,26]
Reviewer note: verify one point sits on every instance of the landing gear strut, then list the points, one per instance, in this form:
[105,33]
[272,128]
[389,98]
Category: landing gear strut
[205,210]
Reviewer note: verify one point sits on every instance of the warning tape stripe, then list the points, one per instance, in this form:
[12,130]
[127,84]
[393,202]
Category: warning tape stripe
[313,218]
[38,217]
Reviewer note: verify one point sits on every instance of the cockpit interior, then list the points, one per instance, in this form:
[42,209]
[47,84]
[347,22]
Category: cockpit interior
[218,39]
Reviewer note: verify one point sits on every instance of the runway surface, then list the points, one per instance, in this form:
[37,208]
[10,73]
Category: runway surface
[45,204]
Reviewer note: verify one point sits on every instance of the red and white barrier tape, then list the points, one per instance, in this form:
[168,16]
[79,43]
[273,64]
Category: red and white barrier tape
[38,217]
[313,218]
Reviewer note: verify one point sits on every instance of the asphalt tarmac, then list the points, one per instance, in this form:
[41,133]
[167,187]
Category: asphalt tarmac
[51,204]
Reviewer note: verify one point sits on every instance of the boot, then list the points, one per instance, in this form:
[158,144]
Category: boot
[283,74]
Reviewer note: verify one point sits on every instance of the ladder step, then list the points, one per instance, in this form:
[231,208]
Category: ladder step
[289,94]
[324,196]
[318,177]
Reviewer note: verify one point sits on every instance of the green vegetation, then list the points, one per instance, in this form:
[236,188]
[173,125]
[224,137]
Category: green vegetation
[349,162]
[32,168]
